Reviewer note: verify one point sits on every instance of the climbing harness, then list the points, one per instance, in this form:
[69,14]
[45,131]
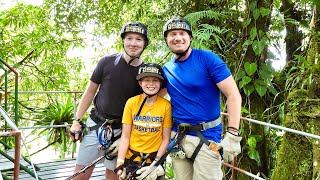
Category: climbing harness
[183,129]
[106,136]
[131,166]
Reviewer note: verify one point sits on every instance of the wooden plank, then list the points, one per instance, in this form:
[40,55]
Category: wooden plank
[58,170]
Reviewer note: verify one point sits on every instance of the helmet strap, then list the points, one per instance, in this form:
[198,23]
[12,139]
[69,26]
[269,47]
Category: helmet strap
[180,55]
[145,99]
[142,104]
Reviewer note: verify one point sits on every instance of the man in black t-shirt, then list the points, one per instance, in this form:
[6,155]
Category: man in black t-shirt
[114,79]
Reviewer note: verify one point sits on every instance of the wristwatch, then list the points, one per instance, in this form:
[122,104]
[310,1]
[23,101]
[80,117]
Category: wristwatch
[77,119]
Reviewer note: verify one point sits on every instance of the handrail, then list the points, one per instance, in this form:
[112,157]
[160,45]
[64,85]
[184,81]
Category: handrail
[16,78]
[17,133]
[272,126]
[278,127]
[5,88]
[243,171]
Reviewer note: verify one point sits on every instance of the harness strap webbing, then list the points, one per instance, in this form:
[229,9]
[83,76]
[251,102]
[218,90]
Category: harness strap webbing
[178,140]
[99,120]
[203,140]
[143,156]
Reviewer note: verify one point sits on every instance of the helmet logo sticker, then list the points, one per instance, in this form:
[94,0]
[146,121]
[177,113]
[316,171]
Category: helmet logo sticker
[149,70]
[134,29]
[178,25]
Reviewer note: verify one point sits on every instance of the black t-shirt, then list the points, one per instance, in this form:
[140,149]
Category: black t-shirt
[117,82]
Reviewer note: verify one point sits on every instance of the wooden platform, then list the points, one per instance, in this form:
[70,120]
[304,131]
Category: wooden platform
[57,170]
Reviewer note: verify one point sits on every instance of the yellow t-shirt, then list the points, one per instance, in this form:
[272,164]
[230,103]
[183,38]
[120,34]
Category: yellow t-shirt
[146,132]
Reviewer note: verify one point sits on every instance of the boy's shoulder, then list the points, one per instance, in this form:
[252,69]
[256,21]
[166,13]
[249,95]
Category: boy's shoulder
[164,100]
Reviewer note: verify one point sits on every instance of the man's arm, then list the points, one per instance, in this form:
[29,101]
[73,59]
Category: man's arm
[229,88]
[86,99]
[84,104]
[163,92]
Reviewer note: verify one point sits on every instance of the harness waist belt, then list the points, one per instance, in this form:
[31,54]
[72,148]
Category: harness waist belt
[99,120]
[199,127]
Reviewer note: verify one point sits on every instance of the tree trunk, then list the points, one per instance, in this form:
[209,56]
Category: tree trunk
[298,155]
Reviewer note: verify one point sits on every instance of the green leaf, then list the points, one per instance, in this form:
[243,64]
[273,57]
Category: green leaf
[261,33]
[265,75]
[260,87]
[245,80]
[246,23]
[248,89]
[247,42]
[252,143]
[244,110]
[264,11]
[256,14]
[254,154]
[253,5]
[240,75]
[258,47]
[250,68]
[253,33]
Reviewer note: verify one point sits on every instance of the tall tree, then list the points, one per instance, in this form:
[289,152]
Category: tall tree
[298,152]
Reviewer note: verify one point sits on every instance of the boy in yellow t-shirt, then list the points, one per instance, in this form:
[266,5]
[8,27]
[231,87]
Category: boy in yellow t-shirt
[146,125]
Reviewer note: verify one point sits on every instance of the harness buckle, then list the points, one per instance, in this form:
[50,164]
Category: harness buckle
[183,127]
[203,126]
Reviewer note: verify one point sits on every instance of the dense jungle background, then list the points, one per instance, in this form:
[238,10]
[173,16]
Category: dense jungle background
[272,48]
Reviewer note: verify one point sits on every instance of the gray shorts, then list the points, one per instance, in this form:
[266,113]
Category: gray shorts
[88,150]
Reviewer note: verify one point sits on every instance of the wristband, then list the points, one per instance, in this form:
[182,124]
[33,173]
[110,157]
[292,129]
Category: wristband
[120,161]
[233,133]
[75,122]
[76,119]
[232,129]
[157,158]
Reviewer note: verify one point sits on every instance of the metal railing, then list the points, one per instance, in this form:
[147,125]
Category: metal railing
[17,134]
[233,167]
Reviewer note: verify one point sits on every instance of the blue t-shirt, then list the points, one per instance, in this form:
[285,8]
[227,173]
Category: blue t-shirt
[195,97]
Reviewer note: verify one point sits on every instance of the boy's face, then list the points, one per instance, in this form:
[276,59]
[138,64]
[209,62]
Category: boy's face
[133,44]
[178,40]
[150,85]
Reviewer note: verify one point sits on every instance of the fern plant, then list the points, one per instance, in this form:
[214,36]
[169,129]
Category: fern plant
[55,114]
[207,34]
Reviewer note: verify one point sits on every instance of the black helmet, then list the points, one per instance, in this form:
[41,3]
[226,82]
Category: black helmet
[136,27]
[150,69]
[177,23]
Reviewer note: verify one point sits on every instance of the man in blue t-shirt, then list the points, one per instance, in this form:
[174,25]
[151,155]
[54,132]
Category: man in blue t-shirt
[194,79]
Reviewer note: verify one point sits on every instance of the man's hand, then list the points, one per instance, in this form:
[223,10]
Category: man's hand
[231,147]
[149,173]
[75,132]
[113,149]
